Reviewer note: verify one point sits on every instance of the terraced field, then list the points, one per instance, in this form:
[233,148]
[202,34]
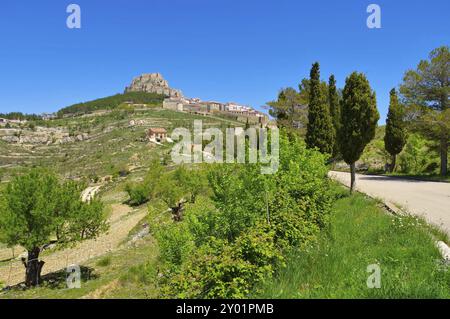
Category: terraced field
[113,146]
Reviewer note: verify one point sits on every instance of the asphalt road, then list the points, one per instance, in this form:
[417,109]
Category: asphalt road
[428,199]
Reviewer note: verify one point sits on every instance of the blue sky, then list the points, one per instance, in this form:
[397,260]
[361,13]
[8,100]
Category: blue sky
[226,50]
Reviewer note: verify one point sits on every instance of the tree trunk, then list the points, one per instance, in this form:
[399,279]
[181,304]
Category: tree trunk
[444,154]
[353,177]
[177,212]
[393,163]
[33,268]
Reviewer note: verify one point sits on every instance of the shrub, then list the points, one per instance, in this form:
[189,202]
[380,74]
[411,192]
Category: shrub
[415,156]
[236,238]
[141,193]
[105,261]
[138,194]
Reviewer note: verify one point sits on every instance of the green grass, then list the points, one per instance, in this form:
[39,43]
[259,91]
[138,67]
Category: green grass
[112,147]
[101,280]
[361,234]
[104,262]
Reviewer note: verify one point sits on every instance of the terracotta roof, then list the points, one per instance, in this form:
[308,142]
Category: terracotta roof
[157,130]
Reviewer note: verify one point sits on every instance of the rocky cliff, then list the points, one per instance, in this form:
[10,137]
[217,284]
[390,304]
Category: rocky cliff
[152,83]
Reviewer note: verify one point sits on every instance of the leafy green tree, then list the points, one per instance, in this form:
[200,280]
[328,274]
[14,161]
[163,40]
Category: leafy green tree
[428,88]
[335,111]
[228,243]
[36,210]
[141,193]
[395,136]
[320,132]
[416,155]
[289,110]
[179,188]
[359,119]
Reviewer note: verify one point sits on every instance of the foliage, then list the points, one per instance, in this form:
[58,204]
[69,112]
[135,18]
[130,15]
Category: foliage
[140,193]
[36,208]
[359,117]
[416,156]
[104,262]
[335,112]
[180,187]
[20,116]
[426,91]
[395,137]
[236,237]
[320,132]
[361,234]
[290,110]
[113,102]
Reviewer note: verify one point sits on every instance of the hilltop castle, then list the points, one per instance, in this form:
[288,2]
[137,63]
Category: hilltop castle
[155,83]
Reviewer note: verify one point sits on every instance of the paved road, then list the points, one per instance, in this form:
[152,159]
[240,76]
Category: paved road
[428,199]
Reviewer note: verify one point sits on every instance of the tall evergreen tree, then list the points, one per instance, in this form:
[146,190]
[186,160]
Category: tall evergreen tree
[395,137]
[429,88]
[359,120]
[320,132]
[335,111]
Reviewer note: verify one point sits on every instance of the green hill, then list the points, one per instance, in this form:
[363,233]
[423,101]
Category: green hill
[112,102]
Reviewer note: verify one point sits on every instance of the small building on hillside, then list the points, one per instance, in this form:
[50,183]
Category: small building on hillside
[48,116]
[174,104]
[157,134]
[2,120]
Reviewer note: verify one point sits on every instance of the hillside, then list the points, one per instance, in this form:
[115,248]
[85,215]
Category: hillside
[112,102]
[96,146]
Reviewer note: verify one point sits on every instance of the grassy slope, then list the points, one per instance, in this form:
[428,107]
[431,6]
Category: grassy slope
[112,146]
[362,234]
[125,275]
[110,276]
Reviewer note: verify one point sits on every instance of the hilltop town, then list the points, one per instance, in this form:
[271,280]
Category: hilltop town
[173,99]
[176,101]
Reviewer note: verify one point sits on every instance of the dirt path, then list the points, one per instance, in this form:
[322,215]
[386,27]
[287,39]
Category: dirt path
[430,200]
[89,193]
[122,220]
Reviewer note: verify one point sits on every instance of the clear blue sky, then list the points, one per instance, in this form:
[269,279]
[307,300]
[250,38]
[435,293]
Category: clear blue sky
[226,50]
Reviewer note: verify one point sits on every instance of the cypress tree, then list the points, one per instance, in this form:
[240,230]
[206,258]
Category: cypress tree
[320,132]
[335,111]
[395,137]
[359,117]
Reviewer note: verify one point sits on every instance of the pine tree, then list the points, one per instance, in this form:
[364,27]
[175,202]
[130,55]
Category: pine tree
[320,132]
[335,111]
[428,87]
[395,137]
[359,120]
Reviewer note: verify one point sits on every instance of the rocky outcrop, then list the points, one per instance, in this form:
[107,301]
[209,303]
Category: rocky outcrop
[152,83]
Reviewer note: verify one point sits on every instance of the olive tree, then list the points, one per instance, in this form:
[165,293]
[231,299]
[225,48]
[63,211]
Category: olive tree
[36,209]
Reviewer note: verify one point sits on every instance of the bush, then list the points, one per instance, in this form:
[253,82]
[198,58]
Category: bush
[141,193]
[233,240]
[105,261]
[415,156]
[138,194]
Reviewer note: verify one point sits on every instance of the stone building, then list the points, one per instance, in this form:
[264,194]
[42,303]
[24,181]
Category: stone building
[174,104]
[157,134]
